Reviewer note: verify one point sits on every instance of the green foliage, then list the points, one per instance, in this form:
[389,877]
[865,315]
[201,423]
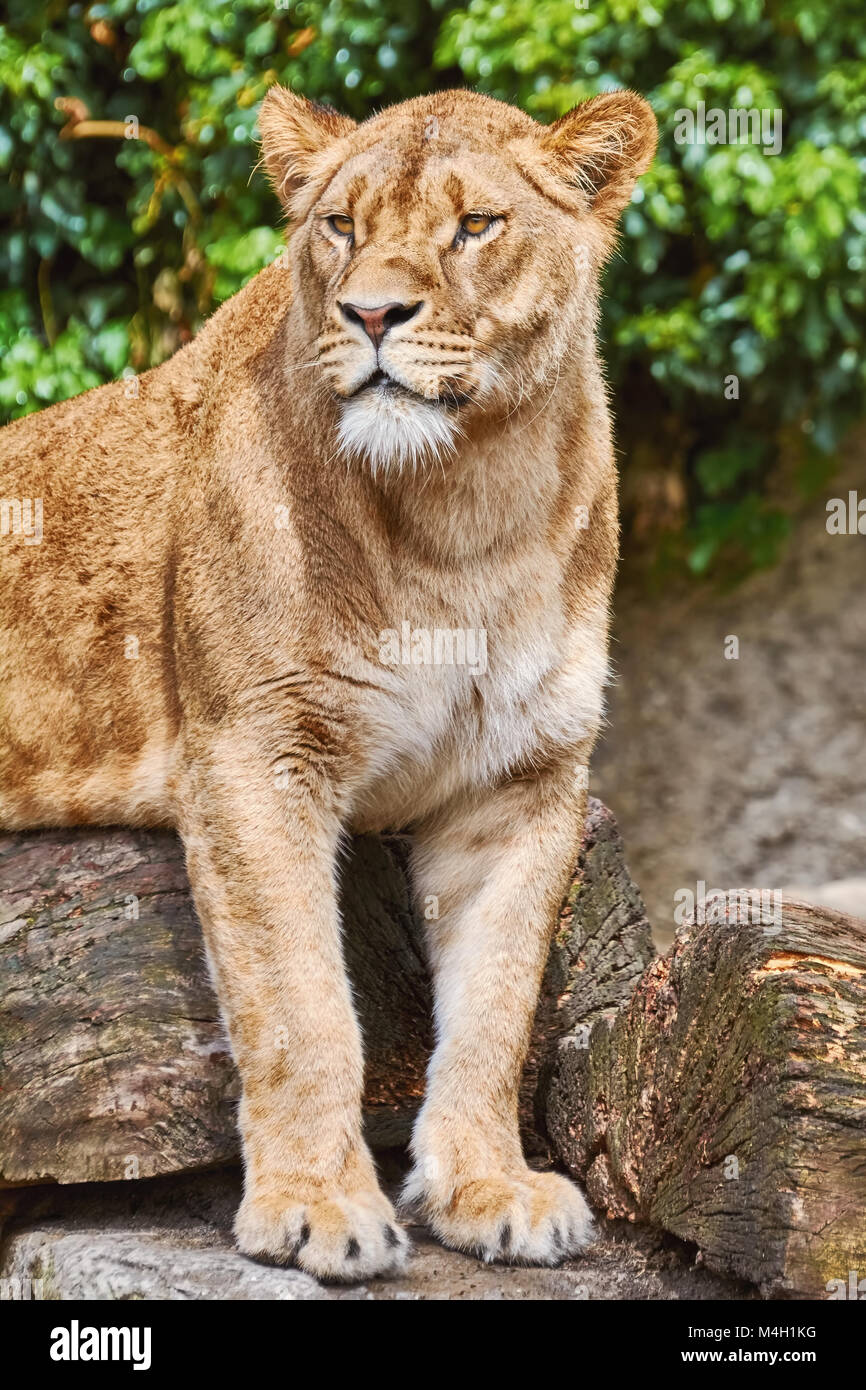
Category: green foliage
[735,262]
[738,263]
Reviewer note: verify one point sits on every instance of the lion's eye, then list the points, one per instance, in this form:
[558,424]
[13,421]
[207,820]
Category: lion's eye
[474,223]
[342,225]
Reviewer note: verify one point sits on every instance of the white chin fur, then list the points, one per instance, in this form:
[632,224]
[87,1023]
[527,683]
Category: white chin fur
[389,430]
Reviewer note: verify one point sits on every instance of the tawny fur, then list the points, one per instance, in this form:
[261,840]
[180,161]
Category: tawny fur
[198,638]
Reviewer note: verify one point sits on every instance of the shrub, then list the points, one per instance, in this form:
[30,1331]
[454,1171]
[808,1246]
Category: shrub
[737,264]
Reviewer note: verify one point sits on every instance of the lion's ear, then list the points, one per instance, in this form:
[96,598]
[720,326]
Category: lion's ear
[297,137]
[601,147]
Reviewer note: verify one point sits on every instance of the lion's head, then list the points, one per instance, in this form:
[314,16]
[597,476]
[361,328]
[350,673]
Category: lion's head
[447,251]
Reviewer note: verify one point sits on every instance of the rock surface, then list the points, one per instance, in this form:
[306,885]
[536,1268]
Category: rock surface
[746,770]
[113,1060]
[726,1103]
[171,1238]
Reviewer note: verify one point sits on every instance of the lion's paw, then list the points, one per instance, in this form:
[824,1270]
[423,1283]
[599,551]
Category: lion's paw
[341,1236]
[531,1218]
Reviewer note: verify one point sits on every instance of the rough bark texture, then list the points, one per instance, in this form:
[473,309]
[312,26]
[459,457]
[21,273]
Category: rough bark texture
[726,1102]
[113,1061]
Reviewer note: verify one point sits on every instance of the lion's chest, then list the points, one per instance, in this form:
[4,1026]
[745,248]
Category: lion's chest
[463,708]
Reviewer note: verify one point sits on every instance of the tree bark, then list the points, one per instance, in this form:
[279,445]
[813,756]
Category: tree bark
[113,1060]
[726,1102]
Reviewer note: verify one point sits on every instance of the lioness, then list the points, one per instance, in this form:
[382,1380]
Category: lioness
[235,623]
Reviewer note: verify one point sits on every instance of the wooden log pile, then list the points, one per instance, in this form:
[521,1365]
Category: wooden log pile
[113,1060]
[718,1092]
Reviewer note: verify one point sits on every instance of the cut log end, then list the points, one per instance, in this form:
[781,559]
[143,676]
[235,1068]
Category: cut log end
[726,1102]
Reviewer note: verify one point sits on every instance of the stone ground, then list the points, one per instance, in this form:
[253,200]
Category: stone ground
[746,773]
[170,1238]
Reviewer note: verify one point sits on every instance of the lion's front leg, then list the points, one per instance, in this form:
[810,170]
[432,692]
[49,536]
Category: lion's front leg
[498,868]
[261,846]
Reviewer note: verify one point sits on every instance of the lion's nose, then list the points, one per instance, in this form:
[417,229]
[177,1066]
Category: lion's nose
[376,322]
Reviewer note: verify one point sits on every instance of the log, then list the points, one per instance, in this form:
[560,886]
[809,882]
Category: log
[113,1060]
[726,1102]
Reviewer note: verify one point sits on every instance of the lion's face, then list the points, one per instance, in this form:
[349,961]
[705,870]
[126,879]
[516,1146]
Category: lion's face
[446,251]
